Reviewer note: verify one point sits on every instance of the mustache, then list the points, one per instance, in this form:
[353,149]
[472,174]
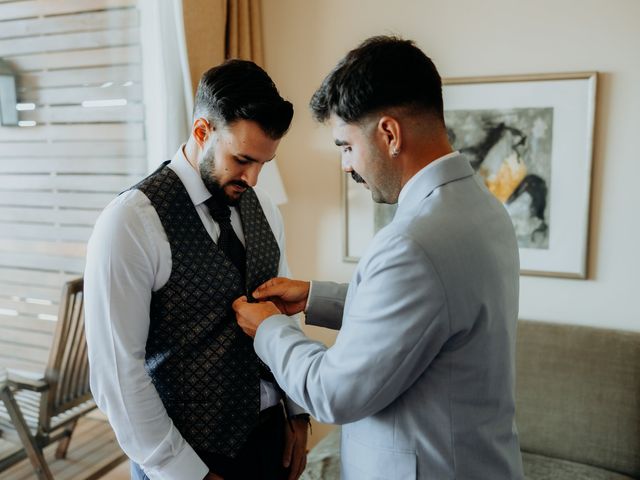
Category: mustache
[238,183]
[357,178]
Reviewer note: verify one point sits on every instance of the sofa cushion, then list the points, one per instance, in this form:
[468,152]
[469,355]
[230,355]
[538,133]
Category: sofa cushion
[578,394]
[539,467]
[323,463]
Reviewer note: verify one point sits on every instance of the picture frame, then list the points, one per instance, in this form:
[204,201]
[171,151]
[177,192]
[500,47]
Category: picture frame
[531,139]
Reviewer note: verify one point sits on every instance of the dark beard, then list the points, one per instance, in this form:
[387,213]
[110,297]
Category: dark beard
[214,187]
[357,178]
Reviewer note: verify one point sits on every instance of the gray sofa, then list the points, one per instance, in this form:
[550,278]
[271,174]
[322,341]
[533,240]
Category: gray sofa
[578,406]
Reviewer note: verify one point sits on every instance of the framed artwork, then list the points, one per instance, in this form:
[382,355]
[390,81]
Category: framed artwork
[530,138]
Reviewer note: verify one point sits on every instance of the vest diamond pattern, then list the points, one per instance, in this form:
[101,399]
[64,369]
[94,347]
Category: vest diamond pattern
[203,366]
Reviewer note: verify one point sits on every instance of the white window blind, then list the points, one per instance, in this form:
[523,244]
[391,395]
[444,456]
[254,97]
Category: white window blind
[78,74]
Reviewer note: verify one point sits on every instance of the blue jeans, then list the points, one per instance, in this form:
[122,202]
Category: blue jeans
[136,472]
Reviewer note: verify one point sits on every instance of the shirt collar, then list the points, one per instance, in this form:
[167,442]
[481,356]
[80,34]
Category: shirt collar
[415,179]
[190,177]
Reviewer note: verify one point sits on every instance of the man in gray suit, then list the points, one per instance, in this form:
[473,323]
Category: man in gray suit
[421,375]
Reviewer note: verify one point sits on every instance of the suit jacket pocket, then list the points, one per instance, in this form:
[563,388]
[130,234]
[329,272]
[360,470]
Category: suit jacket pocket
[376,463]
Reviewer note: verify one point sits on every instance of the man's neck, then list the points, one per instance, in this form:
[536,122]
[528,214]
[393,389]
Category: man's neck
[421,159]
[192,153]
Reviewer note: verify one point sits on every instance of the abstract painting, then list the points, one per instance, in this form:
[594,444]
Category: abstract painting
[511,150]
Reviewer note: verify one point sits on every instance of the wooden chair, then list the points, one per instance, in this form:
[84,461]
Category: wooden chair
[44,410]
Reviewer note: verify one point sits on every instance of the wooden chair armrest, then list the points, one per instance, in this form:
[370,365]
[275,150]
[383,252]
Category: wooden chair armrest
[33,384]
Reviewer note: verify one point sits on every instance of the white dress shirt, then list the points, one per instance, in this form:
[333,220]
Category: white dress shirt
[128,258]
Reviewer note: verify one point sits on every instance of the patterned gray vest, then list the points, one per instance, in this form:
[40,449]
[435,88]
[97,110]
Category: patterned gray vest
[202,365]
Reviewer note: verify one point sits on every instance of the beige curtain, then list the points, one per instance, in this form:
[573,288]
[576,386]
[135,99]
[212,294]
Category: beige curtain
[216,30]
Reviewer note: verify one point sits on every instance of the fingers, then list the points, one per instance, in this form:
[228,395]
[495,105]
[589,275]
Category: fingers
[213,476]
[287,453]
[251,315]
[299,462]
[238,302]
[293,472]
[271,288]
[238,306]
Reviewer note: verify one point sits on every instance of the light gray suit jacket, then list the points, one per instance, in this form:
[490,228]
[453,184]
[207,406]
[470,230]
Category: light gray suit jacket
[422,371]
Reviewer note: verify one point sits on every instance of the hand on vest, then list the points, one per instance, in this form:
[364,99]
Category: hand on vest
[294,456]
[290,296]
[251,315]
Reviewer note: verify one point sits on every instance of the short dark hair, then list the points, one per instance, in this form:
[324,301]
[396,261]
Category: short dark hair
[241,90]
[383,71]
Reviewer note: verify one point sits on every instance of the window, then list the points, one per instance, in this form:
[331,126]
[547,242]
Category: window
[80,143]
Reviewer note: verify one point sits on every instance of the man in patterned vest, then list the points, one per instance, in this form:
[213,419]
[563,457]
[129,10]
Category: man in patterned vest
[180,382]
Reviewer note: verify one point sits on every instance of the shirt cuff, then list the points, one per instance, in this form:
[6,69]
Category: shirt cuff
[293,408]
[186,465]
[306,306]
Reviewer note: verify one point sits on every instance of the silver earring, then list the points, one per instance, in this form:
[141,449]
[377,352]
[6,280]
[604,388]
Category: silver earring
[395,153]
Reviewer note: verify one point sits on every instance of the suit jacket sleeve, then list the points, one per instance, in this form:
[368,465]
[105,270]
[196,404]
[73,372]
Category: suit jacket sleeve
[396,323]
[326,304]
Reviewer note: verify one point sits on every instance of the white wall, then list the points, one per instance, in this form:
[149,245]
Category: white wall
[304,39]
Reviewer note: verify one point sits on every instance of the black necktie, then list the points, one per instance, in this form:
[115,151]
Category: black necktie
[231,245]
[228,241]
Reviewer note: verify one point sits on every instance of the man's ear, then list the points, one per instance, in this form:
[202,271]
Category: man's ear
[201,130]
[389,130]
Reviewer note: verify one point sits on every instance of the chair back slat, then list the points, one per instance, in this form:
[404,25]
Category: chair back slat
[68,368]
[72,355]
[79,385]
[80,374]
